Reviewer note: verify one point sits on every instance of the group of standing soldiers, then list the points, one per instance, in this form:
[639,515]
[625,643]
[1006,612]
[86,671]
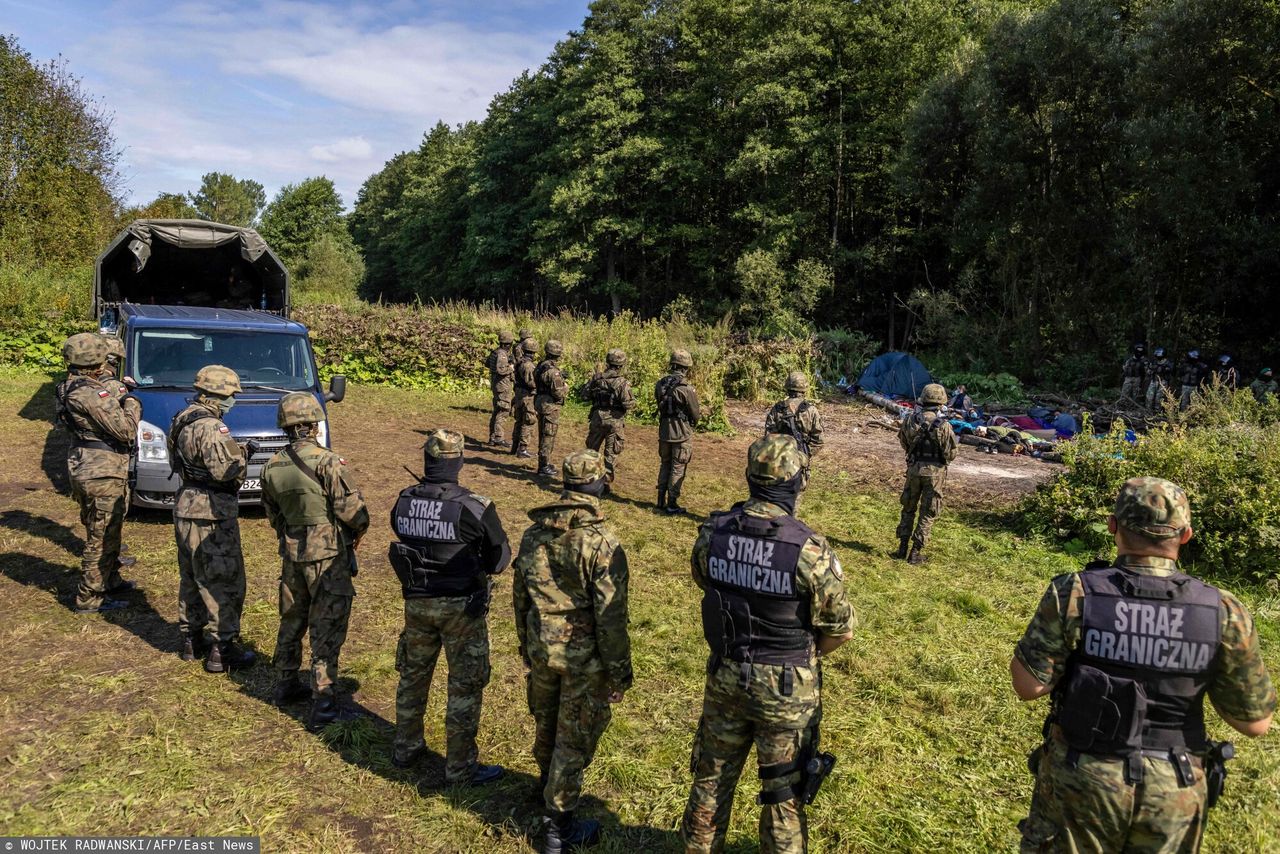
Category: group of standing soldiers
[1149,379]
[534,392]
[774,603]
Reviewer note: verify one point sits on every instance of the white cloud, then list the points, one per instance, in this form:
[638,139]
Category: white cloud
[351,148]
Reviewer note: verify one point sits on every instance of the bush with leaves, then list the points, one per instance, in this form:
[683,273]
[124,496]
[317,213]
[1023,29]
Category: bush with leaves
[1225,454]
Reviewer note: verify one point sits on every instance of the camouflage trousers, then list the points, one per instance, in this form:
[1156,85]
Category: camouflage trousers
[502,393]
[1184,399]
[1131,389]
[548,427]
[923,491]
[315,596]
[570,712]
[606,432]
[211,581]
[733,719]
[429,625]
[102,508]
[1155,394]
[1092,809]
[674,457]
[524,418]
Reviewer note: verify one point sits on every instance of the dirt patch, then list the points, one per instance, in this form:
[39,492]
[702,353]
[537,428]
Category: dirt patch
[860,443]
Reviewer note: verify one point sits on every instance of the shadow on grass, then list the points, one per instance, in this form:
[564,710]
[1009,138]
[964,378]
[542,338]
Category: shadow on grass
[53,455]
[140,618]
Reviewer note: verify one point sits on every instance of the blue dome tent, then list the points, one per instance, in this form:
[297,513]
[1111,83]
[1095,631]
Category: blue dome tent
[895,375]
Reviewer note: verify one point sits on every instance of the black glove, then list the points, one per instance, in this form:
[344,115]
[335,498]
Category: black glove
[251,448]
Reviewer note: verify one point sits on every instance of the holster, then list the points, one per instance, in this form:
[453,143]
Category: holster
[1215,769]
[478,602]
[814,767]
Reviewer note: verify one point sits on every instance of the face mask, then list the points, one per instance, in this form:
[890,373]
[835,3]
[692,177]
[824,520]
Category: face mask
[226,404]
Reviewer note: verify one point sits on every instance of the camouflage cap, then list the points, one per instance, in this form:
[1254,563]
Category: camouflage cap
[505,337]
[933,395]
[1153,507]
[681,359]
[774,459]
[554,349]
[298,407]
[115,347]
[217,380]
[443,444]
[85,350]
[616,358]
[797,381]
[583,466]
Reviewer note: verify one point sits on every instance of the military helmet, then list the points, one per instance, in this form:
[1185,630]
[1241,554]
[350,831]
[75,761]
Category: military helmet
[1158,352]
[443,444]
[115,347]
[797,381]
[774,459]
[217,380]
[505,337]
[554,349]
[1153,507]
[85,350]
[298,407]
[529,345]
[1139,348]
[933,394]
[524,333]
[1265,372]
[615,358]
[681,359]
[582,467]
[1193,354]
[1224,359]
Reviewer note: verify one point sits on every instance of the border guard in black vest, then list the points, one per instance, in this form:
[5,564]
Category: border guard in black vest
[1128,650]
[450,543]
[773,602]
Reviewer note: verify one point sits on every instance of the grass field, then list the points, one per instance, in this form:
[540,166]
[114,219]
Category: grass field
[104,730]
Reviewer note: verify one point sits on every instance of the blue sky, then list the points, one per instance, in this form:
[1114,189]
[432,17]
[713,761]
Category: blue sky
[280,91]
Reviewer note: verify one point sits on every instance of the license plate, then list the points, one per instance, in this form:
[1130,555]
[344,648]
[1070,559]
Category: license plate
[251,484]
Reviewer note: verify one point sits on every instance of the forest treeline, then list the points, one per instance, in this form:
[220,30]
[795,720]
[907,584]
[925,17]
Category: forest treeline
[1025,186]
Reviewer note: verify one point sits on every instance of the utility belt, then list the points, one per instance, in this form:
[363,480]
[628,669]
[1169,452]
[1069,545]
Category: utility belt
[1213,763]
[211,486]
[926,459]
[525,391]
[99,445]
[787,683]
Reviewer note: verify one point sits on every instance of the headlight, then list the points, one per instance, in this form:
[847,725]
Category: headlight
[153,447]
[322,434]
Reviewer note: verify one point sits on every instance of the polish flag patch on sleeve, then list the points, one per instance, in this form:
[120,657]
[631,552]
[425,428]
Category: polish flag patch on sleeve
[342,460]
[104,394]
[224,429]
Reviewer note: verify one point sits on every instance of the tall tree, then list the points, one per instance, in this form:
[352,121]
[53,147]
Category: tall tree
[227,199]
[298,215]
[163,206]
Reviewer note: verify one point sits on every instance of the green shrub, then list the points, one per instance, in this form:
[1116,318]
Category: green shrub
[1228,461]
[30,294]
[842,353]
[985,388]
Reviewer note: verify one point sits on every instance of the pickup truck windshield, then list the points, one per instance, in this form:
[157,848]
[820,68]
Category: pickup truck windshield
[171,357]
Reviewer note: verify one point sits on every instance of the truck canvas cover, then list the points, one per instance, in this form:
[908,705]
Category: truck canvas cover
[191,262]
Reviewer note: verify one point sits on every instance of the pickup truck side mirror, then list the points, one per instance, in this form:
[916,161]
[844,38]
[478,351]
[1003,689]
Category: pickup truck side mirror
[337,389]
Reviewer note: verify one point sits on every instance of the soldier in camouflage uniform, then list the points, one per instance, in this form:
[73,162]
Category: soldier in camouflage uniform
[931,445]
[1127,650]
[552,392]
[103,429]
[678,415]
[319,517]
[206,523]
[611,400]
[1264,386]
[502,367]
[112,378]
[450,544]
[1134,372]
[773,603]
[525,386]
[798,418]
[570,599]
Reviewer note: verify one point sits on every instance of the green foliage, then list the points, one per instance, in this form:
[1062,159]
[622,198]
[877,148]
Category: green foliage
[757,370]
[163,206]
[227,199]
[842,353]
[1228,461]
[331,268]
[298,216]
[59,164]
[30,294]
[985,388]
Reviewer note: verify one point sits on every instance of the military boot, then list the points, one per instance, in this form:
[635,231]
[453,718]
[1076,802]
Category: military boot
[193,647]
[662,501]
[673,506]
[229,655]
[917,556]
[565,833]
[289,689]
[325,710]
[902,549]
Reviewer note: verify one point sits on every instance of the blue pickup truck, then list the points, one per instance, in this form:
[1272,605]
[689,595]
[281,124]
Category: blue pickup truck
[182,294]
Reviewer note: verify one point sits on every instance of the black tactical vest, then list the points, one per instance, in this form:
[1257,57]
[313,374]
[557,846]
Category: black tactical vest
[669,405]
[1147,652]
[431,558]
[752,609]
[194,473]
[604,394]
